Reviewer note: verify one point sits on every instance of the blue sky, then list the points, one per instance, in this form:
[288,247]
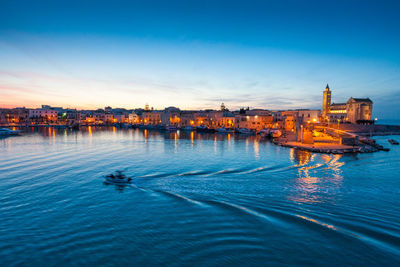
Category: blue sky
[197,54]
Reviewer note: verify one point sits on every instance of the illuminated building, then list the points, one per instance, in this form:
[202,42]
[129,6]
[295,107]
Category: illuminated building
[151,117]
[253,122]
[134,118]
[355,110]
[43,114]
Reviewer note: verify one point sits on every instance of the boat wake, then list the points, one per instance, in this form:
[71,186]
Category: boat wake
[285,219]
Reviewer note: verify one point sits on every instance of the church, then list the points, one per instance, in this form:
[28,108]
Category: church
[355,110]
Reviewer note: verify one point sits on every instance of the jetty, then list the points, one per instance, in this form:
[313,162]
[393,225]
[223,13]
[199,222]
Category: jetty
[324,139]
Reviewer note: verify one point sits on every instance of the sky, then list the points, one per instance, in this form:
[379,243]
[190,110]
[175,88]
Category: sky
[197,54]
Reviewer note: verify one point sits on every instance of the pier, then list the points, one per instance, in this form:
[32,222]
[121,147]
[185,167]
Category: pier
[324,139]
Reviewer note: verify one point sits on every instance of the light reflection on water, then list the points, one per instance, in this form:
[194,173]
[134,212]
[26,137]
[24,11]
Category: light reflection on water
[311,180]
[197,198]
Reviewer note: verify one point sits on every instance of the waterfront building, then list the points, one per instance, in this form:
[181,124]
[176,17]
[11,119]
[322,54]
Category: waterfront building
[133,118]
[82,115]
[90,119]
[121,118]
[290,120]
[277,115]
[355,110]
[151,117]
[71,116]
[337,112]
[309,115]
[171,116]
[98,116]
[42,115]
[108,118]
[255,119]
[253,122]
[326,101]
[201,118]
[359,110]
[13,116]
[187,118]
[220,119]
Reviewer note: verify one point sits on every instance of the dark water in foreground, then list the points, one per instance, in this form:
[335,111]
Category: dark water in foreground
[197,199]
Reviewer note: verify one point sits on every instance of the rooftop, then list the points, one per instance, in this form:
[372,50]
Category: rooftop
[360,99]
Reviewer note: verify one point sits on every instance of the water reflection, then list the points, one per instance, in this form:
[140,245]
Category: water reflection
[215,144]
[334,164]
[118,187]
[90,135]
[222,142]
[256,149]
[176,141]
[317,176]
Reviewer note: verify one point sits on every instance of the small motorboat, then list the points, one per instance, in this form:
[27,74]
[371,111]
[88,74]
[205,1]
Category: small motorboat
[118,178]
[393,142]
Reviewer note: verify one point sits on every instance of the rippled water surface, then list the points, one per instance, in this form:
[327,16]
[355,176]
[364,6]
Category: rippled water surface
[196,199]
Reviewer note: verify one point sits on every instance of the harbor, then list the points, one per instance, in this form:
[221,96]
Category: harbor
[57,188]
[339,128]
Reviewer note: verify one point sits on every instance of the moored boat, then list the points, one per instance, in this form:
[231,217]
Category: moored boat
[60,126]
[171,128]
[8,132]
[188,128]
[160,127]
[245,131]
[203,128]
[265,133]
[224,130]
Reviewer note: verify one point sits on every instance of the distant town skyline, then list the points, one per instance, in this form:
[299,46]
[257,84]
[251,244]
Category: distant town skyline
[196,54]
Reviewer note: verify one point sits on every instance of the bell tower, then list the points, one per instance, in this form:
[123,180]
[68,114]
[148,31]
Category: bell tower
[326,101]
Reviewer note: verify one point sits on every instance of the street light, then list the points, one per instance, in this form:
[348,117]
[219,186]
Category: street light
[301,133]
